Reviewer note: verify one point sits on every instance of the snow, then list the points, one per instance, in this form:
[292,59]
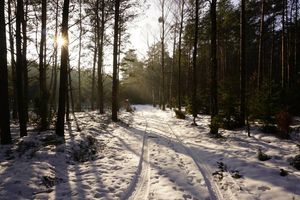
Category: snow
[148,155]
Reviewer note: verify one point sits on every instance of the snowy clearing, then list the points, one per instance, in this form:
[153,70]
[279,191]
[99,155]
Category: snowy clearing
[148,155]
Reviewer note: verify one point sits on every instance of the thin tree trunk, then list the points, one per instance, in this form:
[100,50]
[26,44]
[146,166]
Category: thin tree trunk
[5,135]
[115,63]
[79,59]
[94,72]
[100,43]
[12,61]
[42,69]
[54,89]
[20,70]
[172,67]
[179,54]
[242,64]
[260,48]
[283,79]
[163,55]
[24,53]
[214,62]
[194,85]
[63,72]
[296,40]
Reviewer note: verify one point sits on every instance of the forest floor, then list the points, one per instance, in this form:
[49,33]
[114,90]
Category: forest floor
[149,154]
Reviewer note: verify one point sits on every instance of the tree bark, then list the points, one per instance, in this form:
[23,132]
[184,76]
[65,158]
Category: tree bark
[63,72]
[179,53]
[42,69]
[115,63]
[5,135]
[94,72]
[100,43]
[214,62]
[20,70]
[25,63]
[242,65]
[194,85]
[12,61]
[260,48]
[163,55]
[79,59]
[283,74]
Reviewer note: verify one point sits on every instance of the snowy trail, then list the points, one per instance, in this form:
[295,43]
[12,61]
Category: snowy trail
[204,170]
[180,176]
[139,188]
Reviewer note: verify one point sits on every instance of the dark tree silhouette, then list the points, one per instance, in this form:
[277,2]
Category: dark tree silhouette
[63,72]
[4,106]
[115,63]
[20,70]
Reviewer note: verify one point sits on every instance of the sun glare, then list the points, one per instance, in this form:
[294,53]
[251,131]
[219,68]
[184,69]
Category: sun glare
[60,41]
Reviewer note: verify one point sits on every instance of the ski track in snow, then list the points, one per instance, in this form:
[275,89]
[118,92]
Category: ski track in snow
[213,189]
[139,187]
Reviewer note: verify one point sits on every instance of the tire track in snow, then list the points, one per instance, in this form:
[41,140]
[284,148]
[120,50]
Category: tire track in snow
[139,187]
[214,191]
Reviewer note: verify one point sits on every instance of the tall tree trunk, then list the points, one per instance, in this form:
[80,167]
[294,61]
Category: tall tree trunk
[42,69]
[79,59]
[260,48]
[100,43]
[283,74]
[172,67]
[179,53]
[24,53]
[296,40]
[63,72]
[20,70]
[54,88]
[163,55]
[5,135]
[194,85]
[94,71]
[214,63]
[12,61]
[242,65]
[115,63]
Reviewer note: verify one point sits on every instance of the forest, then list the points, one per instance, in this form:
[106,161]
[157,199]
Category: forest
[227,68]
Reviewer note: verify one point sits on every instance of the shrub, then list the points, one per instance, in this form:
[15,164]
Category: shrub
[296,162]
[215,125]
[262,156]
[179,114]
[284,120]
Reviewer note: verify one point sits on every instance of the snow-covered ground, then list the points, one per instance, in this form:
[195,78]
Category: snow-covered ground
[148,155]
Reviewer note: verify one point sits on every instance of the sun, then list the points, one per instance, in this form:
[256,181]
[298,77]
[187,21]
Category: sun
[60,41]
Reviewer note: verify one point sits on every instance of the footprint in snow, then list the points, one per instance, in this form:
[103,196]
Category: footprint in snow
[187,196]
[263,188]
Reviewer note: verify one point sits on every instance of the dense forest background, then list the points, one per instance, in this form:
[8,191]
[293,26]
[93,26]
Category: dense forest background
[237,60]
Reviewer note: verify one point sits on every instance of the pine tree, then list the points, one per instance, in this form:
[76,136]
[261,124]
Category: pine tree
[4,105]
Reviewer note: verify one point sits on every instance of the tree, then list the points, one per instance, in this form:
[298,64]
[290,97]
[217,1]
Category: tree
[12,59]
[4,105]
[100,27]
[115,63]
[42,69]
[79,58]
[63,72]
[194,86]
[20,70]
[214,64]
[260,48]
[242,65]
[179,53]
[162,37]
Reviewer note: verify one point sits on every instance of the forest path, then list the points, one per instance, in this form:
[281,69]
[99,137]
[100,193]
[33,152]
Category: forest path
[169,168]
